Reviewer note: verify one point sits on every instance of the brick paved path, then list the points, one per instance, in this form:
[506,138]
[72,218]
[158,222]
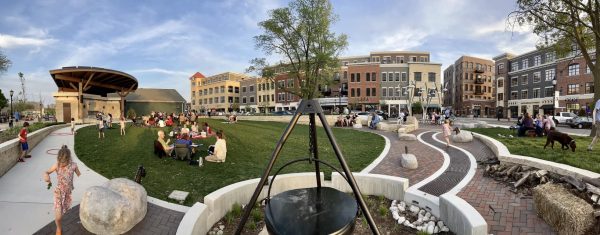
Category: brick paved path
[426,156]
[158,221]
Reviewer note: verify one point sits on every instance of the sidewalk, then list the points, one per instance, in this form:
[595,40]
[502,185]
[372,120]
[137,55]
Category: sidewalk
[26,205]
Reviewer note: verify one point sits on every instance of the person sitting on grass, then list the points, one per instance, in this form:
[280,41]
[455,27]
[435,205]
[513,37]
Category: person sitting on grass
[185,139]
[165,144]
[220,149]
[526,124]
[207,129]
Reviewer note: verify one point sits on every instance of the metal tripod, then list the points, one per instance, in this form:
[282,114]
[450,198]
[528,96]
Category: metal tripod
[313,108]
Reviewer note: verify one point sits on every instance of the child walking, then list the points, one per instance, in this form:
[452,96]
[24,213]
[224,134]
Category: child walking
[64,168]
[447,132]
[72,126]
[122,124]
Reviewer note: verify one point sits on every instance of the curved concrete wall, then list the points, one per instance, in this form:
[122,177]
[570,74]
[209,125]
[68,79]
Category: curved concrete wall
[10,150]
[461,217]
[373,184]
[331,119]
[505,156]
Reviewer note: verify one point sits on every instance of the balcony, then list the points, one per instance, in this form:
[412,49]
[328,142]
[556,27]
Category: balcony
[479,81]
[478,70]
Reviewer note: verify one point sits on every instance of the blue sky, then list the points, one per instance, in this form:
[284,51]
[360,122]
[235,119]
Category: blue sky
[162,43]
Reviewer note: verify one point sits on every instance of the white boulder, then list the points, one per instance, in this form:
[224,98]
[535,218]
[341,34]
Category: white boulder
[386,126]
[445,229]
[357,125]
[409,161]
[401,219]
[463,137]
[414,209]
[440,224]
[407,137]
[113,208]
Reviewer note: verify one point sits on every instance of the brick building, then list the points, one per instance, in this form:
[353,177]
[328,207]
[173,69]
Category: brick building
[502,64]
[470,87]
[575,84]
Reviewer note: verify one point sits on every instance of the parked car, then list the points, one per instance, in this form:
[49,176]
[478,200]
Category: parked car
[382,114]
[562,117]
[581,122]
[281,113]
[365,115]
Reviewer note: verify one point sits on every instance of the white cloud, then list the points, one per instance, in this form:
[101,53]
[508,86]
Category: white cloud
[162,71]
[10,41]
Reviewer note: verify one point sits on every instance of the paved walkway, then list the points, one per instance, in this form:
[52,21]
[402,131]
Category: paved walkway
[26,205]
[504,211]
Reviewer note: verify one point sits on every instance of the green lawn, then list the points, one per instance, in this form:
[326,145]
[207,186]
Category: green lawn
[249,148]
[534,147]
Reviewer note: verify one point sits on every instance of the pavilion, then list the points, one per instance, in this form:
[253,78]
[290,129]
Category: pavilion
[83,92]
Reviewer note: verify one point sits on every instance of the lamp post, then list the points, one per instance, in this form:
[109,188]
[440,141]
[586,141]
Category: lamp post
[11,105]
[554,97]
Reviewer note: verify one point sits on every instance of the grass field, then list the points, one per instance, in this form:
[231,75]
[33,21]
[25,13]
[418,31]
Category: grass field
[249,148]
[534,147]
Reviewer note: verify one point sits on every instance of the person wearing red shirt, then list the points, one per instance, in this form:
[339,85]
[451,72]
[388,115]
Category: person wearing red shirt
[23,139]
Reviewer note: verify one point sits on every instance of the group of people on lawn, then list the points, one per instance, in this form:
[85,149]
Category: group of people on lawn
[540,124]
[184,136]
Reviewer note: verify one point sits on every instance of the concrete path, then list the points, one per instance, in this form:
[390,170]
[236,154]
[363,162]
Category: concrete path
[26,205]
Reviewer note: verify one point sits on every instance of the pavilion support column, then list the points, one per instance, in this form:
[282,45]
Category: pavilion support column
[80,101]
[123,94]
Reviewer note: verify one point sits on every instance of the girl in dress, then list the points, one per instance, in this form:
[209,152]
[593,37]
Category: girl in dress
[447,132]
[122,124]
[64,168]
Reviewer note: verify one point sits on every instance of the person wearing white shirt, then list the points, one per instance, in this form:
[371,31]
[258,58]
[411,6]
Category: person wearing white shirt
[220,149]
[596,124]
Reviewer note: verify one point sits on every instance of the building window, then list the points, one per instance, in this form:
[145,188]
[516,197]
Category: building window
[537,77]
[431,77]
[373,91]
[514,66]
[414,59]
[384,92]
[550,73]
[222,89]
[352,94]
[549,91]
[281,84]
[550,56]
[573,89]
[587,67]
[500,96]
[397,77]
[524,94]
[236,90]
[373,77]
[573,69]
[383,77]
[260,97]
[260,87]
[222,99]
[403,90]
[537,60]
[368,92]
[391,92]
[589,87]
[357,77]
[368,77]
[524,80]
[417,76]
[500,67]
[272,85]
[525,63]
[243,89]
[404,77]
[500,83]
[358,92]
[573,107]
[244,100]
[536,93]
[291,83]
[514,95]
[193,94]
[251,99]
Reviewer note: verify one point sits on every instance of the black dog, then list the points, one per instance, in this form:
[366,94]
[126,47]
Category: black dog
[565,140]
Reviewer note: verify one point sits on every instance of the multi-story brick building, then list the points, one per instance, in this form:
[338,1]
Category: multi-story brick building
[530,82]
[502,64]
[265,93]
[219,92]
[248,95]
[284,99]
[380,79]
[575,84]
[470,87]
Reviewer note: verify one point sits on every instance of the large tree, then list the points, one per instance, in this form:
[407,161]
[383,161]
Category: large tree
[562,24]
[3,102]
[307,50]
[4,63]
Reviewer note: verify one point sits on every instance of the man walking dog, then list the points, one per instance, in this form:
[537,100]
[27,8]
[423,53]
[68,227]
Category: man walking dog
[596,124]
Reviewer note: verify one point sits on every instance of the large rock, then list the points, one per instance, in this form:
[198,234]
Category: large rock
[409,161]
[482,124]
[357,125]
[407,137]
[387,126]
[463,137]
[411,120]
[113,208]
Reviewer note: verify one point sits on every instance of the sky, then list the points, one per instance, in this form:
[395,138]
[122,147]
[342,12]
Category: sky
[162,43]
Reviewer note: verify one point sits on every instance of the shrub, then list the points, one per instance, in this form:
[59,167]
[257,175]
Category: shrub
[383,210]
[131,114]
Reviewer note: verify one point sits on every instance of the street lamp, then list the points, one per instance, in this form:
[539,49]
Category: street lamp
[11,106]
[554,97]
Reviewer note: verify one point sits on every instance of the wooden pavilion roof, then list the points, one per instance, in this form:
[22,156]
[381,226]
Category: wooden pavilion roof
[97,81]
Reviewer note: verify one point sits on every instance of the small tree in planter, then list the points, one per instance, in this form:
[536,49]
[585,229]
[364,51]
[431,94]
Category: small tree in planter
[131,114]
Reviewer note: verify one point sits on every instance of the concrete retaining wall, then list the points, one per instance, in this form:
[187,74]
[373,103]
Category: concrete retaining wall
[10,150]
[461,217]
[192,222]
[373,184]
[331,119]
[505,156]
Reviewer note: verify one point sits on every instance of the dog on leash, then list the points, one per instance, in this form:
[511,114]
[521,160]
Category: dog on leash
[565,140]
